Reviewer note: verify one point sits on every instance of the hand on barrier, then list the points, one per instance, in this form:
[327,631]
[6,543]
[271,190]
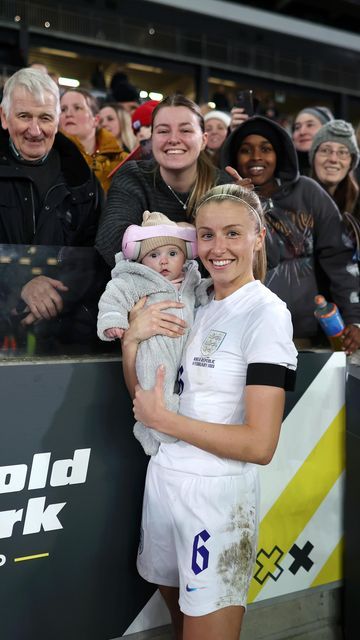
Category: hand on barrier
[41,294]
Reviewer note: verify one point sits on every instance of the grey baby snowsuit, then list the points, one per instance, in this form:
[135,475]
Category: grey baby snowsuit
[130,282]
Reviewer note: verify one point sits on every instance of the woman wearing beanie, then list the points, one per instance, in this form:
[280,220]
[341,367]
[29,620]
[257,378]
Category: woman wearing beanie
[333,156]
[157,262]
[217,128]
[306,246]
[115,119]
[173,181]
[307,122]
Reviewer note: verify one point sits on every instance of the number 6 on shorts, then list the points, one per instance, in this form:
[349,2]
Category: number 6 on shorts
[200,551]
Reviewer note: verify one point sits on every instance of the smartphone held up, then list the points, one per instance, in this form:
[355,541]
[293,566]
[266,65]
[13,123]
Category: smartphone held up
[244,100]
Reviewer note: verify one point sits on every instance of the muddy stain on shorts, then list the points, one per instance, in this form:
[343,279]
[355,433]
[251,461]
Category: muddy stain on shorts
[241,518]
[235,563]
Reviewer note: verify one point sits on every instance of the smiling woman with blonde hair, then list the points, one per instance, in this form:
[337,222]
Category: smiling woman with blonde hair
[201,501]
[114,118]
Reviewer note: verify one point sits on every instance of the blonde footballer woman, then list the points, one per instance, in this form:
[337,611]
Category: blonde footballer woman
[201,502]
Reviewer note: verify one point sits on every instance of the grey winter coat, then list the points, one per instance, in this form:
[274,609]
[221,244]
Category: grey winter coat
[130,282]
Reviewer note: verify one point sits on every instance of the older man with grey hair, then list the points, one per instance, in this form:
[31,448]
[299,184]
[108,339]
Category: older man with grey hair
[48,194]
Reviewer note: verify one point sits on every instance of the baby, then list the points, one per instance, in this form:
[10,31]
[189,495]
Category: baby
[156,262]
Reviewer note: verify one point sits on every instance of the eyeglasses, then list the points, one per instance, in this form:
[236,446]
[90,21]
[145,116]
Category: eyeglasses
[342,154]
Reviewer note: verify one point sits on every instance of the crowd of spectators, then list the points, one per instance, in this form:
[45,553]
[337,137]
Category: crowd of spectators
[75,171]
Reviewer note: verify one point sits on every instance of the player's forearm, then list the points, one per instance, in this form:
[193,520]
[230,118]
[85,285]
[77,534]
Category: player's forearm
[234,441]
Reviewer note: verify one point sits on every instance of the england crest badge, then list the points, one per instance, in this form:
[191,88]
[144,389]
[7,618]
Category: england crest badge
[212,342]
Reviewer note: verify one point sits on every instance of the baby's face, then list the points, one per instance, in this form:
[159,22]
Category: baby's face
[167,260]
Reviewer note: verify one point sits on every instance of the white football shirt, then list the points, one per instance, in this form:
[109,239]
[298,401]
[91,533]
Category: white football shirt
[252,325]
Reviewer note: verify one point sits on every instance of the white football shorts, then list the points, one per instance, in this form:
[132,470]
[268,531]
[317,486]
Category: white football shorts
[199,533]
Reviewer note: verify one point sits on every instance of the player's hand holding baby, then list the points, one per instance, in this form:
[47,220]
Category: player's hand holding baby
[146,322]
[149,407]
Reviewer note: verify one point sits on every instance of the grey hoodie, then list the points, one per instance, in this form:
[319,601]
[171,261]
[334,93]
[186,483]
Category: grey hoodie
[307,245]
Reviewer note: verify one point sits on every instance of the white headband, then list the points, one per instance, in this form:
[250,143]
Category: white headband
[229,196]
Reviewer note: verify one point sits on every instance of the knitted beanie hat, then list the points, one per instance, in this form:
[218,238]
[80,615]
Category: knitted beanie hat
[259,126]
[122,89]
[323,114]
[142,116]
[154,219]
[337,131]
[218,115]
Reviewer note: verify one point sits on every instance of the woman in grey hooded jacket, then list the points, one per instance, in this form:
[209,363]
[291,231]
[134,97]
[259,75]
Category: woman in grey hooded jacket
[307,253]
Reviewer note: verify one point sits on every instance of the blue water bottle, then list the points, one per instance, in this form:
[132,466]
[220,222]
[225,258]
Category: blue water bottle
[330,321]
